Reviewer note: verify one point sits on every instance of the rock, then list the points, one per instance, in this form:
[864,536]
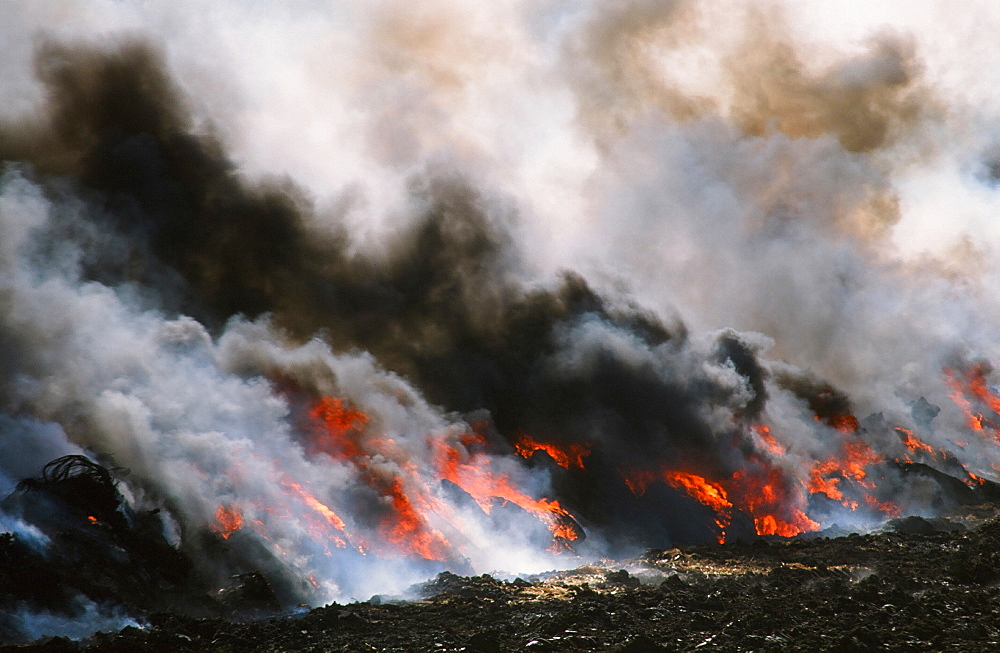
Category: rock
[483,642]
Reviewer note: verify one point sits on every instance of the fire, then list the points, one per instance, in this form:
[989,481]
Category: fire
[342,432]
[229,520]
[705,492]
[418,522]
[771,499]
[913,443]
[92,519]
[846,423]
[472,472]
[638,480]
[340,426]
[765,437]
[826,476]
[567,457]
[774,496]
[408,529]
[979,388]
[772,492]
[338,431]
[763,493]
[318,506]
[975,389]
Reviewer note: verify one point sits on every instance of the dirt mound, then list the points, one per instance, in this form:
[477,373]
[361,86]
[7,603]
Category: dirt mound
[915,586]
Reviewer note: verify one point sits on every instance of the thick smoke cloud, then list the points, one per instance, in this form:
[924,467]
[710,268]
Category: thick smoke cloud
[659,236]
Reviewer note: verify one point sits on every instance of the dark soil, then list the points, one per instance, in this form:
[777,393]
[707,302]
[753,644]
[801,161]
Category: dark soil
[922,585]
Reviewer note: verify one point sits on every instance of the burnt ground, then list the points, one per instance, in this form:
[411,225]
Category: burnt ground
[919,585]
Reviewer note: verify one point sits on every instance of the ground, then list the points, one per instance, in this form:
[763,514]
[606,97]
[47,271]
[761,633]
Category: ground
[919,585]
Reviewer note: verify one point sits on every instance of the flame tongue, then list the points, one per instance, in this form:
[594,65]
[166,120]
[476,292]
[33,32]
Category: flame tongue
[417,522]
[471,469]
[706,492]
[971,388]
[228,521]
[567,457]
[339,431]
[776,499]
[343,433]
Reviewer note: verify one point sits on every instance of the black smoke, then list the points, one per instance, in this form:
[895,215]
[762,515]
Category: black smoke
[443,307]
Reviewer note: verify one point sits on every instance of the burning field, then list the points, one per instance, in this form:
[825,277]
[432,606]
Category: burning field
[307,305]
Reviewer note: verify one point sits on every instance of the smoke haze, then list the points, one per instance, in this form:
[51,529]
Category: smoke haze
[358,292]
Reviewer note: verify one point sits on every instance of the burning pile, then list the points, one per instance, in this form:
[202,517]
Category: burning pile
[342,383]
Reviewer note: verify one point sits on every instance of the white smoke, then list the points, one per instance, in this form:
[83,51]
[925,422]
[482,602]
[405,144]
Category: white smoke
[815,177]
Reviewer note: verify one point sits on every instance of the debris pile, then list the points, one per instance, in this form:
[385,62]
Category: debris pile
[918,584]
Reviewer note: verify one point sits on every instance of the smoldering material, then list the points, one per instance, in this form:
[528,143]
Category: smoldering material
[166,309]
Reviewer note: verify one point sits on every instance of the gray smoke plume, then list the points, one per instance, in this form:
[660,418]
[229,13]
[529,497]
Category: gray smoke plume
[365,292]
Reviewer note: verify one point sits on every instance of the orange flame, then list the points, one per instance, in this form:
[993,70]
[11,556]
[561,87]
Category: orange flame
[472,473]
[340,427]
[340,432]
[318,506]
[825,476]
[844,423]
[975,480]
[407,528]
[771,500]
[775,499]
[979,388]
[92,519]
[957,395]
[705,492]
[229,521]
[702,490]
[638,480]
[770,444]
[915,444]
[975,388]
[566,457]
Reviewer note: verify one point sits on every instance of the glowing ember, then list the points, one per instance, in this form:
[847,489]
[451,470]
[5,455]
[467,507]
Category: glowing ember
[92,519]
[229,520]
[566,457]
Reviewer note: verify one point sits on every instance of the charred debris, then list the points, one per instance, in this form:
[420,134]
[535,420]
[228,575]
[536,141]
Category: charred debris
[916,584]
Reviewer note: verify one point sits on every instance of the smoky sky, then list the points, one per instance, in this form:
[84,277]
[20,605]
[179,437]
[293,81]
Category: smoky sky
[441,308]
[658,269]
